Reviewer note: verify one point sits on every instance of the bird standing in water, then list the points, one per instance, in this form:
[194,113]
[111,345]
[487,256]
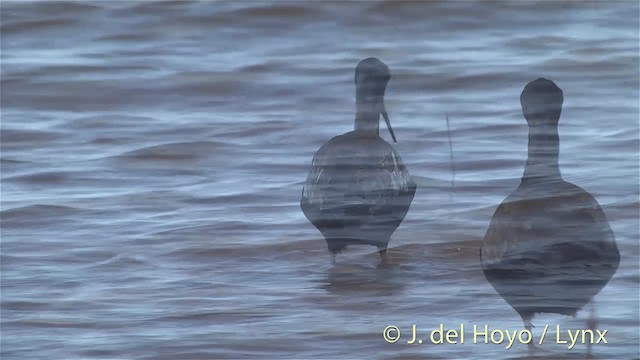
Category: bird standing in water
[549,247]
[358,190]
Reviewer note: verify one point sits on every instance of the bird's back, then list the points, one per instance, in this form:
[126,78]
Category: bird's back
[549,248]
[357,188]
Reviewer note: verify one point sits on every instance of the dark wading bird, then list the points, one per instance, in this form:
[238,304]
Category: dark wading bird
[358,190]
[549,247]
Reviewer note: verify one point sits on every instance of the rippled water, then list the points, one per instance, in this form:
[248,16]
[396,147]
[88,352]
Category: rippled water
[153,155]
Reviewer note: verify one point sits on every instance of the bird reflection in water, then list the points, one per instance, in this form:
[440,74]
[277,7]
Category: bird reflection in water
[350,280]
[358,190]
[549,247]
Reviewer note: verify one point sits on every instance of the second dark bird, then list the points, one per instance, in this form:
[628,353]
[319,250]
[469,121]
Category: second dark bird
[358,190]
[549,247]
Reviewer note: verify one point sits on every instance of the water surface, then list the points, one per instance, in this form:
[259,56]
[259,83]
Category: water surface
[153,155]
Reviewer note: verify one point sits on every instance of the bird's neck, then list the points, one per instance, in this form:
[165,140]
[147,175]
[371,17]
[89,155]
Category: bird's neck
[367,118]
[544,152]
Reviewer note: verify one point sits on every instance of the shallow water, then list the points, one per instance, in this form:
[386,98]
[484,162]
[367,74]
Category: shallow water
[153,155]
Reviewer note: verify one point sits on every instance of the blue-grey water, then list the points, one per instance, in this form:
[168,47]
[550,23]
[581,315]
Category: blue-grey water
[153,156]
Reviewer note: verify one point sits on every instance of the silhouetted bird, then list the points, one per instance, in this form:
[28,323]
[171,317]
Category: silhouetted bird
[358,190]
[549,247]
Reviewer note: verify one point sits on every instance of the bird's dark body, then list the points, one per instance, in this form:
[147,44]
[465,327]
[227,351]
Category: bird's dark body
[357,192]
[549,248]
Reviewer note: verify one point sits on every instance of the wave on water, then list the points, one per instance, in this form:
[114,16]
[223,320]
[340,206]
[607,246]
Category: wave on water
[184,151]
[39,211]
[42,178]
[13,137]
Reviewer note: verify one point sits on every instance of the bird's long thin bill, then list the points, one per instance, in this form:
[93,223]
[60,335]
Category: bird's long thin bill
[386,119]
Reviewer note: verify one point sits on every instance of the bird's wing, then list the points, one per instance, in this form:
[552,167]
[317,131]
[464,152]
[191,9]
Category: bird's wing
[573,232]
[499,236]
[596,247]
[350,181]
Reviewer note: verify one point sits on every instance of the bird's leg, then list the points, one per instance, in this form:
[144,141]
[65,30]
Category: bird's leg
[383,257]
[592,323]
[528,326]
[335,247]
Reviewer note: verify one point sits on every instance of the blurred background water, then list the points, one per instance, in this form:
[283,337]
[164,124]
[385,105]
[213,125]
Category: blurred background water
[153,155]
